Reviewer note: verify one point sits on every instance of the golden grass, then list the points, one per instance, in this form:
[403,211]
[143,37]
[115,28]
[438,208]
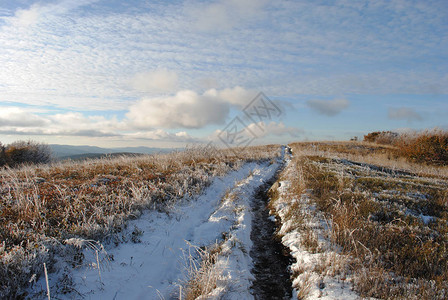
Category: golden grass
[386,156]
[203,272]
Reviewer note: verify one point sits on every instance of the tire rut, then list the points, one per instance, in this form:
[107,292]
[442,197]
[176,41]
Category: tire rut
[270,258]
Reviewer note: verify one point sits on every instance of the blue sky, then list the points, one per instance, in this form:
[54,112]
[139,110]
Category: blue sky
[170,73]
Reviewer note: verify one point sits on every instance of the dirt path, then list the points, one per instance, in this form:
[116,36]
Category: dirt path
[252,263]
[271,259]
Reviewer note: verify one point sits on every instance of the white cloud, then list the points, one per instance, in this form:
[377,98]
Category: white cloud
[14,116]
[20,121]
[328,107]
[404,113]
[208,83]
[159,80]
[32,15]
[188,109]
[86,60]
[237,96]
[27,17]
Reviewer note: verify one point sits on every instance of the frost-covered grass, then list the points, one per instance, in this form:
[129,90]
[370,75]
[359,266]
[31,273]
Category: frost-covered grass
[387,156]
[43,208]
[227,264]
[349,214]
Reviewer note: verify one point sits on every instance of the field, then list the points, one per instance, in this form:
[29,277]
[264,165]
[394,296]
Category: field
[351,220]
[44,207]
[357,217]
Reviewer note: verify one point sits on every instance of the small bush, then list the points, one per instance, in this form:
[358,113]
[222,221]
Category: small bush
[381,137]
[429,146]
[2,155]
[26,152]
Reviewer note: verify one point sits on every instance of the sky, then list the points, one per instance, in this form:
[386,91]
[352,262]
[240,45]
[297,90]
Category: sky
[228,72]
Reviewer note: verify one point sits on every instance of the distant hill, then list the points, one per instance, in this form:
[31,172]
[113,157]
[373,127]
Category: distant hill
[83,152]
[87,156]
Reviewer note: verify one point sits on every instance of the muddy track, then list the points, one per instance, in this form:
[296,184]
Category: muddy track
[270,258]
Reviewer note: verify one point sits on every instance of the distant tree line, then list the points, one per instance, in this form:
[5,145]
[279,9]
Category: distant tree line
[24,152]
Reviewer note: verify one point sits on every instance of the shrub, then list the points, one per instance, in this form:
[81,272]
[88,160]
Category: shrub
[27,152]
[429,146]
[381,137]
[2,155]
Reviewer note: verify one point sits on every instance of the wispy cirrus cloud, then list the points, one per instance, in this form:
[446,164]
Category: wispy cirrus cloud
[114,56]
[159,80]
[25,17]
[224,15]
[80,57]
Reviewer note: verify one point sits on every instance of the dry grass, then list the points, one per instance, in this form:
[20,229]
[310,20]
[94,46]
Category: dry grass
[374,215]
[42,206]
[382,156]
[202,271]
[428,146]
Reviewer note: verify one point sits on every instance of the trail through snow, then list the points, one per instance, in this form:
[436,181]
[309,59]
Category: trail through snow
[153,268]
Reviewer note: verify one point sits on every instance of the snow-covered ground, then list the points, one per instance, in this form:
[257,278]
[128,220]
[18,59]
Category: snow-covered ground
[152,267]
[309,284]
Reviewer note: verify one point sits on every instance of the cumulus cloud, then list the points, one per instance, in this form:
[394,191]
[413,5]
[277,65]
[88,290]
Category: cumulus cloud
[404,113]
[188,109]
[14,116]
[159,80]
[328,107]
[20,121]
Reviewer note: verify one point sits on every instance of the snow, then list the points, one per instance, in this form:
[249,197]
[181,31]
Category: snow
[236,260]
[153,268]
[426,219]
[319,286]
